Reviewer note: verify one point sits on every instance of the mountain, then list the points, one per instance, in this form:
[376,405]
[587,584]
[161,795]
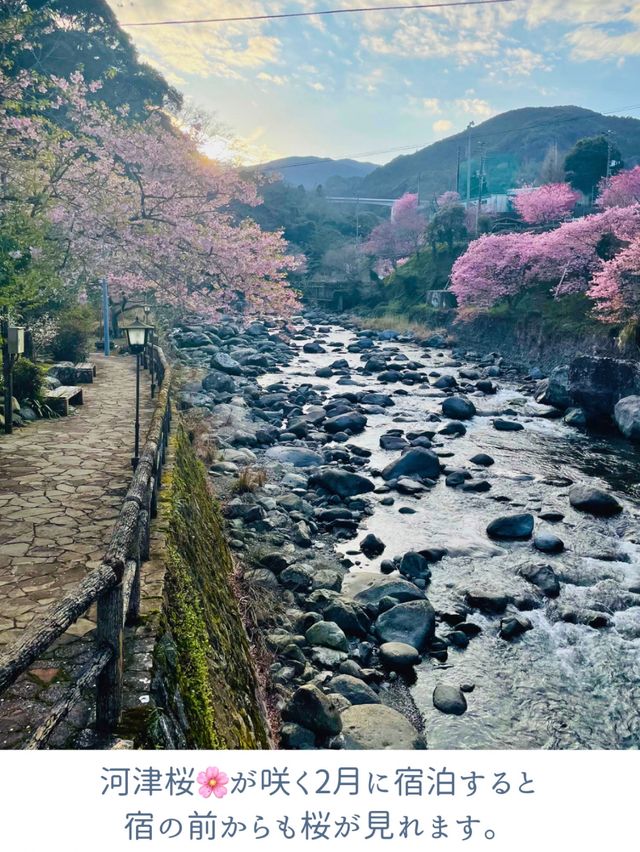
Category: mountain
[312,172]
[515,145]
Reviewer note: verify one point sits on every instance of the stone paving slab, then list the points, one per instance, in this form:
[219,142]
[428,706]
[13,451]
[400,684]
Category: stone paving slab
[62,482]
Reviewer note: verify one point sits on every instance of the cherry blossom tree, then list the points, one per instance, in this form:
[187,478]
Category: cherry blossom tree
[621,190]
[137,203]
[615,288]
[398,237]
[567,258]
[546,204]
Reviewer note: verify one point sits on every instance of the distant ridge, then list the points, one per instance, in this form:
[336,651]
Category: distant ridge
[312,172]
[515,145]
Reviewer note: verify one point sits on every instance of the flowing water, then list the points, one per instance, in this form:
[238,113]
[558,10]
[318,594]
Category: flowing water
[560,685]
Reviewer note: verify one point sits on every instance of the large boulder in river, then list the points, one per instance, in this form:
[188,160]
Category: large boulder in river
[594,500]
[226,364]
[449,699]
[350,421]
[511,527]
[218,382]
[627,416]
[341,482]
[458,408]
[368,588]
[376,726]
[555,390]
[597,384]
[314,710]
[353,689]
[412,622]
[297,456]
[415,462]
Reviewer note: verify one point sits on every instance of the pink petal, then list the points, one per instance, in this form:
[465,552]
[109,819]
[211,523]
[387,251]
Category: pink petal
[223,778]
[219,791]
[205,791]
[212,772]
[202,778]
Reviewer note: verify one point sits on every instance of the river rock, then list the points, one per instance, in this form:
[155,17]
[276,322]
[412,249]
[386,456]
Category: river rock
[393,442]
[327,634]
[514,626]
[341,482]
[449,699]
[511,527]
[458,408]
[412,622]
[353,689]
[417,461]
[482,459]
[507,425]
[297,456]
[372,546]
[399,655]
[368,588]
[349,421]
[312,709]
[555,390]
[542,576]
[627,417]
[585,498]
[548,542]
[414,566]
[597,384]
[219,382]
[226,364]
[294,736]
[376,726]
[576,417]
[313,348]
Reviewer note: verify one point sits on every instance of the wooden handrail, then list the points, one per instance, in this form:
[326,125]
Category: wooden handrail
[114,584]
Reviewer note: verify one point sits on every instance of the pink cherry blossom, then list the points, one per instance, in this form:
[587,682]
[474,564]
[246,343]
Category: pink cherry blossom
[545,204]
[212,780]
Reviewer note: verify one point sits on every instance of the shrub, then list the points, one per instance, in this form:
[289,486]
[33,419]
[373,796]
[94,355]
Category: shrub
[27,380]
[71,343]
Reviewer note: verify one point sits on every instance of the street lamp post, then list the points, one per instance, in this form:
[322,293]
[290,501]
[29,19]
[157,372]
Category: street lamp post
[137,336]
[12,346]
[150,356]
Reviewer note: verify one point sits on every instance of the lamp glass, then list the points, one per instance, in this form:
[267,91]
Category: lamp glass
[137,334]
[15,339]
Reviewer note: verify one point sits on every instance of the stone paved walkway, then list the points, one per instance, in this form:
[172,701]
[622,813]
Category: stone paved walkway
[61,487]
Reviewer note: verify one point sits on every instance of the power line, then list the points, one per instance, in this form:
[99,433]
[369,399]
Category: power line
[394,8]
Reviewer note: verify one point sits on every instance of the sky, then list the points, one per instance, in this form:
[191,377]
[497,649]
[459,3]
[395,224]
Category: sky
[365,85]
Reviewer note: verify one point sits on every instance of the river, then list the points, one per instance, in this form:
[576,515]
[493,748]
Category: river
[560,684]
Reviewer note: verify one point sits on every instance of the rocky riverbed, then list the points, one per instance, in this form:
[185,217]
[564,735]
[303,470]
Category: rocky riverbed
[447,561]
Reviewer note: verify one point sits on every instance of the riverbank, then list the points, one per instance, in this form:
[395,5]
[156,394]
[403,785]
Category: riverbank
[362,476]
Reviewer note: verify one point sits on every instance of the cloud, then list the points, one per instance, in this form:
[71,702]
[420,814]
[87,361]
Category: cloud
[475,106]
[432,105]
[276,79]
[202,50]
[319,87]
[442,125]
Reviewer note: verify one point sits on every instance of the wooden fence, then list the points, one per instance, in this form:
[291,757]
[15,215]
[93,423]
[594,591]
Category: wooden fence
[114,585]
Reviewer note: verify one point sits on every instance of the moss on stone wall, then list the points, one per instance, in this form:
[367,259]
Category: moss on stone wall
[213,669]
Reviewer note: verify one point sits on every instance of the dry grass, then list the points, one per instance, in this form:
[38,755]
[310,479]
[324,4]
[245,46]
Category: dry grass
[401,324]
[199,427]
[249,480]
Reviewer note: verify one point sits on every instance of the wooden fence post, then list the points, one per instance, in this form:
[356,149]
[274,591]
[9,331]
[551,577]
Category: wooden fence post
[109,682]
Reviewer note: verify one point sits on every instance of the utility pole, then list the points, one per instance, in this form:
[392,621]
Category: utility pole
[457,187]
[418,189]
[608,155]
[105,317]
[480,180]
[469,126]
